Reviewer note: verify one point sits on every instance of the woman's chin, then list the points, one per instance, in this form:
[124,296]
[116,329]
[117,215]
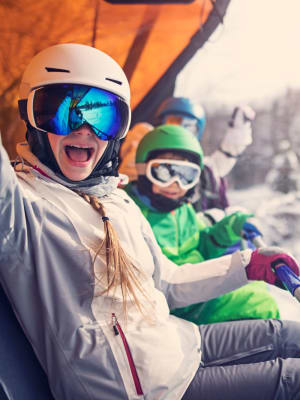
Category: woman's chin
[76,175]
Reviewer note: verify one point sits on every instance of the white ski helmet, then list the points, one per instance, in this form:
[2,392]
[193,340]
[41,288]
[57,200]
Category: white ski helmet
[75,63]
[72,63]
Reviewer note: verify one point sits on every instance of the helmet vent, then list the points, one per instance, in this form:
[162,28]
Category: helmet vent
[114,80]
[50,69]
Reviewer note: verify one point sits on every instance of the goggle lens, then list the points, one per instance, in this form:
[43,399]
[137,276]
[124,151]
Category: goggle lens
[63,108]
[164,172]
[191,124]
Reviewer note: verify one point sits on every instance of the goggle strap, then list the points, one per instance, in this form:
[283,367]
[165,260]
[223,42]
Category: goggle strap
[141,168]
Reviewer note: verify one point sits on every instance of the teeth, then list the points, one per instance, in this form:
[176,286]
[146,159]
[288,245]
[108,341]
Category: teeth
[79,147]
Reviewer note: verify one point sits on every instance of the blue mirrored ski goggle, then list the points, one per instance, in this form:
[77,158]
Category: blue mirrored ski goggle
[63,108]
[164,172]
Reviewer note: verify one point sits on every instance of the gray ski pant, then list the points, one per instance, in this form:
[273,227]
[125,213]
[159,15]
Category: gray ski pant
[249,359]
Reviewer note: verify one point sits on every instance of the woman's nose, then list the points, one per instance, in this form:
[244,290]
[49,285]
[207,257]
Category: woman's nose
[85,130]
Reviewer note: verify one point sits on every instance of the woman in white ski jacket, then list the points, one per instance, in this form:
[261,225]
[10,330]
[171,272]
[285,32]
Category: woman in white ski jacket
[83,271]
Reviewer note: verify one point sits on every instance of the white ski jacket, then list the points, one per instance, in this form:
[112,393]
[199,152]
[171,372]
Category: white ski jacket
[88,349]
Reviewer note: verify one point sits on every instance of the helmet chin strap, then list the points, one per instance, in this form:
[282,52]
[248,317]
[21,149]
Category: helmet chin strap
[40,147]
[109,162]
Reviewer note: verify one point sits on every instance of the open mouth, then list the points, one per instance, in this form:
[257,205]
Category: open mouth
[78,153]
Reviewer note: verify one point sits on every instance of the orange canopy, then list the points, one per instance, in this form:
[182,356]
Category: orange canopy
[150,41]
[148,38]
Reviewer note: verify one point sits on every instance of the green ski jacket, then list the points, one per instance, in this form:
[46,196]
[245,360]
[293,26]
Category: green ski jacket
[184,238]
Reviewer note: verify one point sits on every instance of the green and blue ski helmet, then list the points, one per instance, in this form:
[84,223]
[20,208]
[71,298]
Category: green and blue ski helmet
[169,138]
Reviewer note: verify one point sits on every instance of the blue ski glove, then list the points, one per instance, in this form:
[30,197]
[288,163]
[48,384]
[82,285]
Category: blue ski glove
[250,231]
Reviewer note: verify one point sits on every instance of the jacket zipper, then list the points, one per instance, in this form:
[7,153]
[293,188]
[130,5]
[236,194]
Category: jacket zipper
[118,330]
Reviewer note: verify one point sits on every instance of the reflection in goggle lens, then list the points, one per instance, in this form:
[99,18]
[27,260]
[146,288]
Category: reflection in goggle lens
[164,172]
[62,108]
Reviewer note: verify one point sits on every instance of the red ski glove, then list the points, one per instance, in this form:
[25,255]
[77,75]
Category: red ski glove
[264,261]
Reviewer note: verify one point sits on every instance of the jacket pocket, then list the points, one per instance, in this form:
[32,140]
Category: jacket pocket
[118,331]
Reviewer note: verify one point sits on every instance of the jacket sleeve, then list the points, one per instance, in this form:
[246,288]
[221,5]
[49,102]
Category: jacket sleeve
[194,283]
[12,217]
[220,163]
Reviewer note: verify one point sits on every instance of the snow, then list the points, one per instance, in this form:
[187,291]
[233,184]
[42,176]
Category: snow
[277,215]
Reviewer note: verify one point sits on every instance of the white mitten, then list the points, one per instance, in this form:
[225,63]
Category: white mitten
[239,132]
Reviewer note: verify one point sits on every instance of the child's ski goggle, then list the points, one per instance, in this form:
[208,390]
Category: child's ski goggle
[164,172]
[191,124]
[63,108]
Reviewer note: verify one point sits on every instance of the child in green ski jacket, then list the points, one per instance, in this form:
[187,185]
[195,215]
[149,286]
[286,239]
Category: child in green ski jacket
[167,162]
